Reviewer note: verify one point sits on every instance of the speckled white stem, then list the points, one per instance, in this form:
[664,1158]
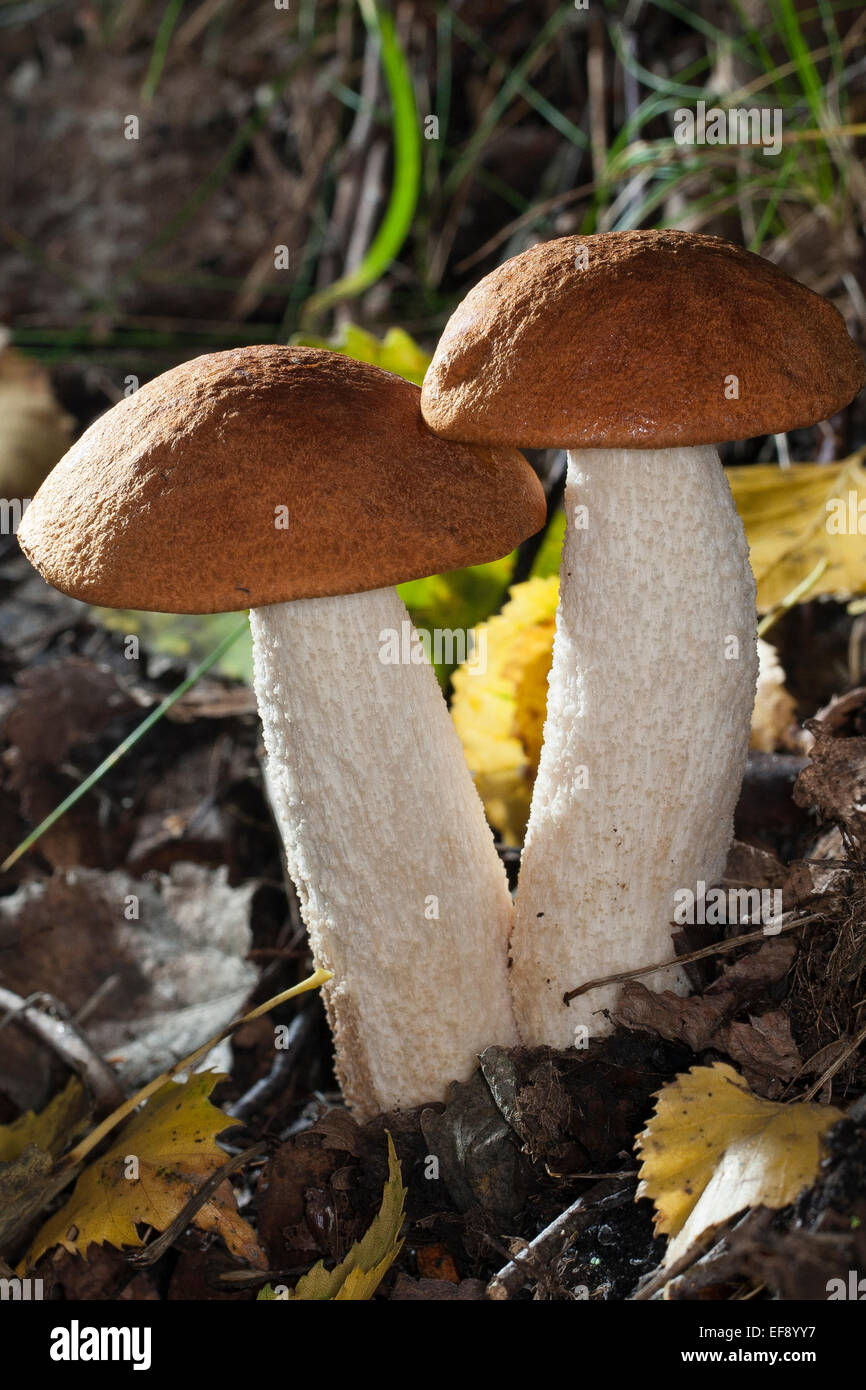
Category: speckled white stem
[403,893]
[645,742]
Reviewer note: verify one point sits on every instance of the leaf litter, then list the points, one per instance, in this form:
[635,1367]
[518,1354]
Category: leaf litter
[186,830]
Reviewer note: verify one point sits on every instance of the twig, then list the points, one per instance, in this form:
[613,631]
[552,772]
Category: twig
[696,1251]
[96,1136]
[834,1066]
[61,1033]
[157,1248]
[717,948]
[284,1064]
[530,1262]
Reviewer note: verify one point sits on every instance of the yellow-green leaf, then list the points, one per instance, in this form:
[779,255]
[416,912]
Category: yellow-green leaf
[361,1272]
[797,517]
[157,1161]
[61,1120]
[396,352]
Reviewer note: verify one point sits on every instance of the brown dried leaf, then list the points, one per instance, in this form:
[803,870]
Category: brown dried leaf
[834,782]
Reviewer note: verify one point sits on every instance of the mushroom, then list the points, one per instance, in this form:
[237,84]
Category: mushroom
[636,352]
[302,485]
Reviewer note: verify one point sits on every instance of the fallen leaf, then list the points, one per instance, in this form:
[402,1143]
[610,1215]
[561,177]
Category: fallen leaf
[157,1162]
[61,1120]
[700,1020]
[765,1049]
[795,518]
[834,781]
[173,947]
[499,706]
[357,1276]
[34,430]
[437,1262]
[712,1148]
[475,1149]
[84,699]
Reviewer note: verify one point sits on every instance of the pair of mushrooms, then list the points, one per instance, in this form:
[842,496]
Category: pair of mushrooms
[635,351]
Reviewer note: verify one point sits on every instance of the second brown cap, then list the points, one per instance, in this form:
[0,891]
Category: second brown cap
[638,340]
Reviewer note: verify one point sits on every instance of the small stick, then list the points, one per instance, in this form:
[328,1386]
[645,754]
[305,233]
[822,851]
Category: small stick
[157,1248]
[696,1251]
[834,1066]
[74,1157]
[716,949]
[277,1078]
[514,1275]
[62,1034]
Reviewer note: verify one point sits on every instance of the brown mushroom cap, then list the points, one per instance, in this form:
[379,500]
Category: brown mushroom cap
[169,501]
[637,349]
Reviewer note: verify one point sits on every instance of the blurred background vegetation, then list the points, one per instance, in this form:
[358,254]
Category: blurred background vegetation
[341,171]
[306,127]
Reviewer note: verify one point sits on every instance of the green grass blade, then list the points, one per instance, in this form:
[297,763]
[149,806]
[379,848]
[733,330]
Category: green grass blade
[515,84]
[406,183]
[170,16]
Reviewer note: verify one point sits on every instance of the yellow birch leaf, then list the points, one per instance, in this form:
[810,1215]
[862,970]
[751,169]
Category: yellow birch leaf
[159,1159]
[796,517]
[358,1276]
[713,1148]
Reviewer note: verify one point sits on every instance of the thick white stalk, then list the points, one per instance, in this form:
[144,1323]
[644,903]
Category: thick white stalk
[645,742]
[403,893]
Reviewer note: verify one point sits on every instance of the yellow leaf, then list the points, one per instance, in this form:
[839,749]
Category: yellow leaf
[34,430]
[795,518]
[714,1148]
[359,1275]
[802,523]
[396,352]
[499,704]
[62,1119]
[157,1161]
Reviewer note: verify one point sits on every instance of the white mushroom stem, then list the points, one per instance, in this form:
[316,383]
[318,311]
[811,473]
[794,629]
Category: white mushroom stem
[645,742]
[402,891]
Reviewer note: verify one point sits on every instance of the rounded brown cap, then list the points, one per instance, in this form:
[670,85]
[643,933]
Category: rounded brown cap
[646,339]
[270,473]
